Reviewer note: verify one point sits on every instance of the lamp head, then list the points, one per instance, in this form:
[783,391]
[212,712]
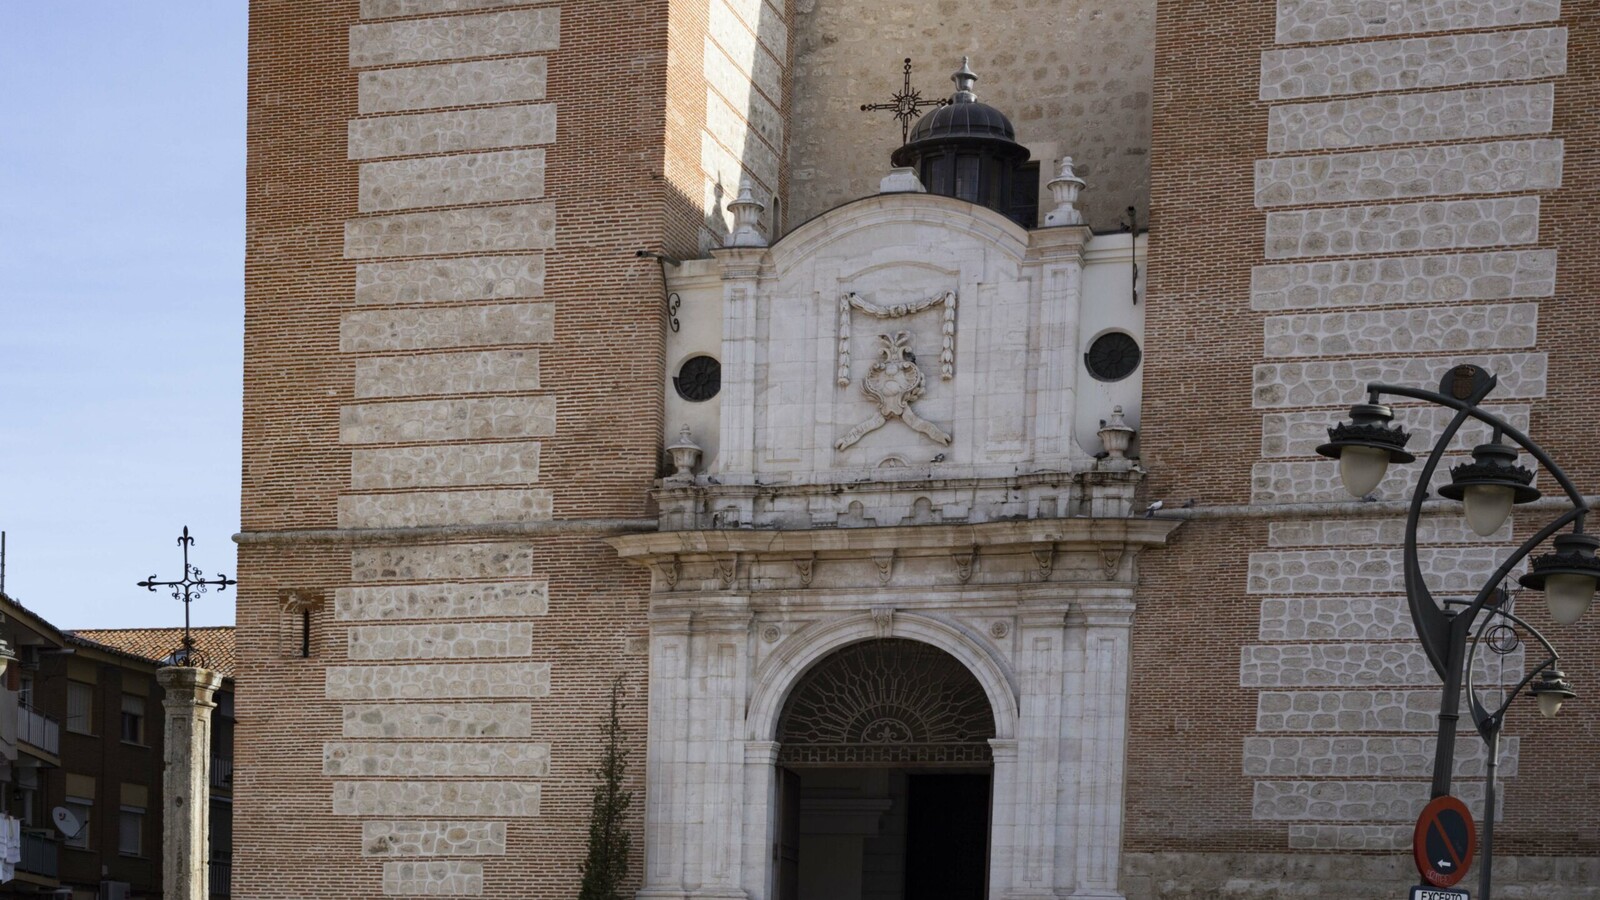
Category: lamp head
[1489,485]
[1551,689]
[1365,446]
[1567,577]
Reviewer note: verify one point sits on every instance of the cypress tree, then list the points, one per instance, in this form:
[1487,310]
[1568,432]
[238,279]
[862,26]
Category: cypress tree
[606,868]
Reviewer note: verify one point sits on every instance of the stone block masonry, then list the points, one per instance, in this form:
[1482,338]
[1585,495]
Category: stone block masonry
[446,420]
[473,372]
[1438,225]
[433,838]
[1390,261]
[454,37]
[460,640]
[425,508]
[418,681]
[416,760]
[1497,168]
[452,131]
[528,226]
[447,280]
[412,328]
[452,84]
[450,180]
[1417,330]
[440,600]
[433,878]
[470,799]
[1338,20]
[438,720]
[1468,114]
[1496,275]
[387,468]
[1413,63]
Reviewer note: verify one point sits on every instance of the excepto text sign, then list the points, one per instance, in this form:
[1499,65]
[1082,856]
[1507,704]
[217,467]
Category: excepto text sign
[1433,893]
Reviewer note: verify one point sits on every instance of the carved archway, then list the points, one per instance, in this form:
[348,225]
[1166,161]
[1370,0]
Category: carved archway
[887,702]
[776,678]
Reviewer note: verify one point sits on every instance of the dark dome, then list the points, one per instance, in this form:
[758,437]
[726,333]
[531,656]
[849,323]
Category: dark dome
[963,120]
[968,150]
[962,123]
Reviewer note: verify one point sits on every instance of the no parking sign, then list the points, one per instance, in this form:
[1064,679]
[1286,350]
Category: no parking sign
[1443,841]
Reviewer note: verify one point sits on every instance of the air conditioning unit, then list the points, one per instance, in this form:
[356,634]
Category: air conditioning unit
[115,890]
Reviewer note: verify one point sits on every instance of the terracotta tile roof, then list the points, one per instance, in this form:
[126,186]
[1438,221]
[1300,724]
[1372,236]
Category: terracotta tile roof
[215,644]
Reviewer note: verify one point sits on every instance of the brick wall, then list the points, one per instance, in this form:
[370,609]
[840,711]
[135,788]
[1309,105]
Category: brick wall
[448,338]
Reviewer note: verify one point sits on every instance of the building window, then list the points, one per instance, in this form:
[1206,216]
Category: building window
[81,809]
[1113,356]
[132,719]
[130,831]
[80,707]
[698,379]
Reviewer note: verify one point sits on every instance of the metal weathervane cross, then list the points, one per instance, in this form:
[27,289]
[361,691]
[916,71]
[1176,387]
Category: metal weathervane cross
[193,584]
[906,103]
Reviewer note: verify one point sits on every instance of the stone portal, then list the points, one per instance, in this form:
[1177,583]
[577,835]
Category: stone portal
[886,762]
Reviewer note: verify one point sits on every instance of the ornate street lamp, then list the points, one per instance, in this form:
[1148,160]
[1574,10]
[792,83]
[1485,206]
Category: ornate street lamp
[1487,488]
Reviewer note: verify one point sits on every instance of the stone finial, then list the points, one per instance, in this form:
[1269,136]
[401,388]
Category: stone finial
[685,455]
[1116,435]
[901,180]
[1065,188]
[746,211]
[964,78]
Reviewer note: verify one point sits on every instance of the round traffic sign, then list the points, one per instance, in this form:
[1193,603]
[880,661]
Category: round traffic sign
[1443,841]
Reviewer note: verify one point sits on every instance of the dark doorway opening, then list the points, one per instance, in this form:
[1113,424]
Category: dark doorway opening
[947,835]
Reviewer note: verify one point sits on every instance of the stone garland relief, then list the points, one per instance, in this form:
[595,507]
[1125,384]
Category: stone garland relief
[947,350]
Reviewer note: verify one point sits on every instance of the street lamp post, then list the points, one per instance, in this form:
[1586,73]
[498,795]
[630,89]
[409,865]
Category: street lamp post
[1488,487]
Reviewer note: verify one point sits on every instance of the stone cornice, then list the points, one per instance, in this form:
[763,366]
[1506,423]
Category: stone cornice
[1064,534]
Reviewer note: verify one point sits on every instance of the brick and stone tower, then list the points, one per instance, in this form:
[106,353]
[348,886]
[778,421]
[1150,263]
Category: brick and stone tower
[502,254]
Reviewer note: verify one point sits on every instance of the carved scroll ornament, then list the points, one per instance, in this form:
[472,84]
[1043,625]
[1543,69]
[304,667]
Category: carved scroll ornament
[894,383]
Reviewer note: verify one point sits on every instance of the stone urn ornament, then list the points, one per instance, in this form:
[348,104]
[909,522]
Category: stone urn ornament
[894,382]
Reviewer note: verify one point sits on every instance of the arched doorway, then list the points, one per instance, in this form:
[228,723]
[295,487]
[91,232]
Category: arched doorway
[884,777]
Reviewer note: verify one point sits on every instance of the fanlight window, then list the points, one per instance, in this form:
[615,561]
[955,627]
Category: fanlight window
[887,703]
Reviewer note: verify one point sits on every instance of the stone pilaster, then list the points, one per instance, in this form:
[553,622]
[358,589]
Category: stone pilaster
[186,779]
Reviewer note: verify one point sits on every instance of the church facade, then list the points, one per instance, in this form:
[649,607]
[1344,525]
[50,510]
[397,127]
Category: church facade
[943,503]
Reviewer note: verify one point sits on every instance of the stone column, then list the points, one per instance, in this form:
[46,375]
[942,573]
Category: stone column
[186,779]
[666,756]
[1039,737]
[1103,748]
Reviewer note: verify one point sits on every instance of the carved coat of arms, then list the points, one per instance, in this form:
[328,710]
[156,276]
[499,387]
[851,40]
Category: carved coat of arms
[894,382]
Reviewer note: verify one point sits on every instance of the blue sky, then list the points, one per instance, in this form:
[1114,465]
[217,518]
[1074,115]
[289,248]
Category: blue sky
[122,149]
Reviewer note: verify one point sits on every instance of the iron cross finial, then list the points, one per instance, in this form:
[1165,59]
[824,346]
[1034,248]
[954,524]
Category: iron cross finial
[193,584]
[906,103]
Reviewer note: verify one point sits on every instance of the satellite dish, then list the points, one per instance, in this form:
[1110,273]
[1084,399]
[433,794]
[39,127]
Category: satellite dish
[66,821]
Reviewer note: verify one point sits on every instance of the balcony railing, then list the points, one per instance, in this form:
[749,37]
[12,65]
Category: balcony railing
[221,772]
[40,854]
[39,730]
[221,877]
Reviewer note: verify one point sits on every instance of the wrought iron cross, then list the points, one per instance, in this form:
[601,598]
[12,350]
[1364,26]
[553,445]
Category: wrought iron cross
[193,584]
[906,103]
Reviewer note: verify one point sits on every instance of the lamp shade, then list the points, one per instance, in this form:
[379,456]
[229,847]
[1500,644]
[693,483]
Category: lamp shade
[1567,577]
[1551,689]
[1365,446]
